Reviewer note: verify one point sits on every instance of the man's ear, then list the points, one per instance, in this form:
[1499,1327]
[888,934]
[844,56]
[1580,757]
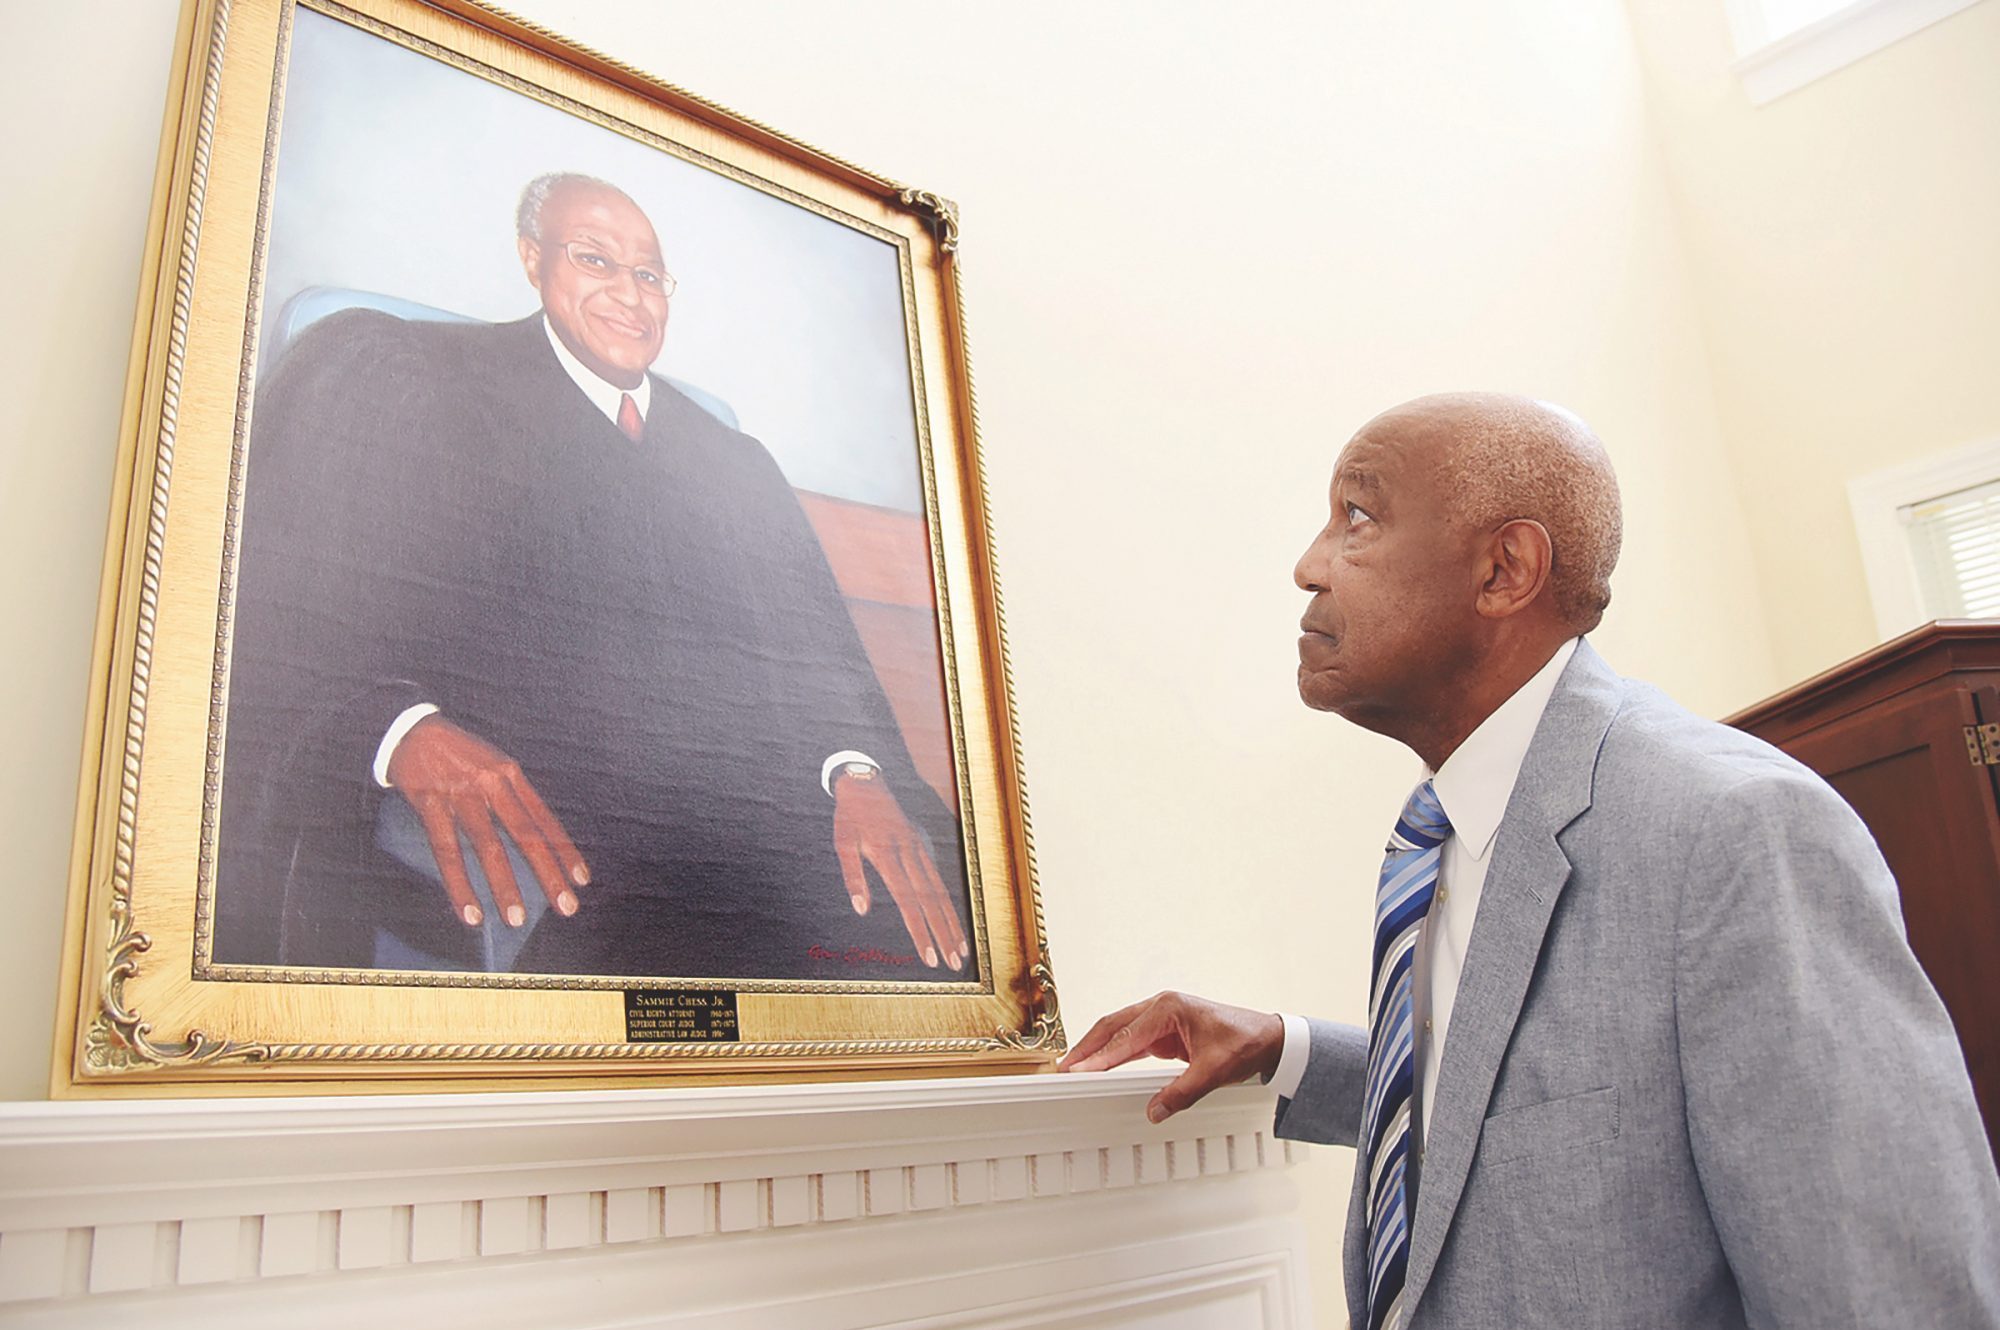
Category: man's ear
[1519,558]
[531,259]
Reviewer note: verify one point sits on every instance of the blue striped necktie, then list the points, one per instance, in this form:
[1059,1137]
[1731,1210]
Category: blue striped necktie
[1409,878]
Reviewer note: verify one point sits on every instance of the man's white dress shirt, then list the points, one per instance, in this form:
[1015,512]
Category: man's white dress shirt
[609,398]
[603,395]
[1474,786]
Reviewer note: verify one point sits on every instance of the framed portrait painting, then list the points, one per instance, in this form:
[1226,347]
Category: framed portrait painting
[550,631]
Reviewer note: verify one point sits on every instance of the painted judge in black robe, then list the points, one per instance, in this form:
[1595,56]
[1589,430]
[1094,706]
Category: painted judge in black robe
[639,661]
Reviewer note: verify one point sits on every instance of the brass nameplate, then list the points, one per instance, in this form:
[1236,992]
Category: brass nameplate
[682,1015]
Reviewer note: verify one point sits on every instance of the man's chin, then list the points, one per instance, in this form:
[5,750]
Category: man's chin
[629,354]
[1318,691]
[625,367]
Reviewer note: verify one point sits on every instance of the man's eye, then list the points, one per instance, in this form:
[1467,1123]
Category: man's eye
[590,260]
[1355,516]
[647,277]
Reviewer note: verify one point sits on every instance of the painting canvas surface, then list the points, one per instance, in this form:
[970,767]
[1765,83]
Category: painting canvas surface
[583,546]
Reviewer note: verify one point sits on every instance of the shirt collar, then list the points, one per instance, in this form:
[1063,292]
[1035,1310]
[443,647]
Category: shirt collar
[1477,780]
[605,396]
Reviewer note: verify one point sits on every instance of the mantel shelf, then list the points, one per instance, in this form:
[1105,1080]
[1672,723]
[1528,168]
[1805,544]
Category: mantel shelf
[62,1119]
[178,1210]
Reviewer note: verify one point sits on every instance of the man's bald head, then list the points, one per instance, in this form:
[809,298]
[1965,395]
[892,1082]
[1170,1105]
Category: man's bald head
[557,187]
[1468,536]
[1500,458]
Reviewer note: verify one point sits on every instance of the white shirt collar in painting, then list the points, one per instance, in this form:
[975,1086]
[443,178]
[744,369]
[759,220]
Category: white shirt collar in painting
[603,395]
[1477,780]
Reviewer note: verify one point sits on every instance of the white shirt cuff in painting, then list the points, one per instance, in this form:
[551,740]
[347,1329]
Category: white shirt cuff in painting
[398,727]
[407,721]
[841,759]
[1292,1062]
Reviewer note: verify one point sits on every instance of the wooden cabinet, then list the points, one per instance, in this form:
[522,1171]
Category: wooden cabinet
[1909,733]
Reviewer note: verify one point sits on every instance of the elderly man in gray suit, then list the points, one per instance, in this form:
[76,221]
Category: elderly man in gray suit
[1646,1045]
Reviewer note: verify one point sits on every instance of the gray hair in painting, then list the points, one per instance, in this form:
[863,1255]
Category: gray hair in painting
[528,214]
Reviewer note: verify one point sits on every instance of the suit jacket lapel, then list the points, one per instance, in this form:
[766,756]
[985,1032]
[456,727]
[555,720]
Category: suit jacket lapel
[1527,875]
[1354,1252]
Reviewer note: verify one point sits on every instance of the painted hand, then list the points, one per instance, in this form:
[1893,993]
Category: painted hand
[868,825]
[460,784]
[1221,1045]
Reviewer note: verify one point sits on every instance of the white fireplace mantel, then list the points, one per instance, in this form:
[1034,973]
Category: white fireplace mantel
[1012,1201]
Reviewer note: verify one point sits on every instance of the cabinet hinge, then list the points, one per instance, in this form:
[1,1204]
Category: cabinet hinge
[1982,744]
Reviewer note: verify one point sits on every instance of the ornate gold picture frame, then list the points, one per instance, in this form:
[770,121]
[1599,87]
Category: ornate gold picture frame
[549,632]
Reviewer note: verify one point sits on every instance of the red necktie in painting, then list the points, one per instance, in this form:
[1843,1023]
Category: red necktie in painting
[629,418]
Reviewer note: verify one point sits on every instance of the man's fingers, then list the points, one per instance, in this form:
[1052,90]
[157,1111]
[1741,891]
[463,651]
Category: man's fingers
[955,938]
[891,868]
[850,871]
[477,820]
[1099,1035]
[1183,1091]
[442,833]
[1134,1040]
[931,902]
[527,833]
[573,866]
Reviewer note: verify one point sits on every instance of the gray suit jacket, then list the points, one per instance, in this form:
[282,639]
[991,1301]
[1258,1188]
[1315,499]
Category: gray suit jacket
[1694,1076]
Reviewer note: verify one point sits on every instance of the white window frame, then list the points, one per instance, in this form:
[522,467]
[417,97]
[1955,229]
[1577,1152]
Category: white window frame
[1885,550]
[1770,69]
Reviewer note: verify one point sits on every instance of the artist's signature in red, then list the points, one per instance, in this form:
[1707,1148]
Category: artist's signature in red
[859,956]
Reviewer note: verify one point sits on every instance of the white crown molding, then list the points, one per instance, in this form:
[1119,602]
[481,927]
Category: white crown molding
[1769,70]
[917,1196]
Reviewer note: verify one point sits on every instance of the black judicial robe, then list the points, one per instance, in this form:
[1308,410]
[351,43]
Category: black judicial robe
[435,513]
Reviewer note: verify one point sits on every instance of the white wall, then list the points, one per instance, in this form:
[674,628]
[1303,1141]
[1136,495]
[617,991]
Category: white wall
[1202,245]
[82,135]
[1843,244]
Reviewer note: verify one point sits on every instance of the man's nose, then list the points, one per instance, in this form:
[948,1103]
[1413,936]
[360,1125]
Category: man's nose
[625,287]
[1309,574]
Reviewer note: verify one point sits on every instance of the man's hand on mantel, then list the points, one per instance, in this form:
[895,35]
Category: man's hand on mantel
[1221,1045]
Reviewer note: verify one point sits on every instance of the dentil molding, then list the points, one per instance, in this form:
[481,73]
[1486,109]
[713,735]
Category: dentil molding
[1007,1201]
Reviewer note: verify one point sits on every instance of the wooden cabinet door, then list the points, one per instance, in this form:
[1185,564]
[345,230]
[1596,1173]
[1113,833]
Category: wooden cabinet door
[1903,765]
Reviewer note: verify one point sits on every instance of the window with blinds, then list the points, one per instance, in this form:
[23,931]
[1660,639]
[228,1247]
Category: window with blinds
[1955,544]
